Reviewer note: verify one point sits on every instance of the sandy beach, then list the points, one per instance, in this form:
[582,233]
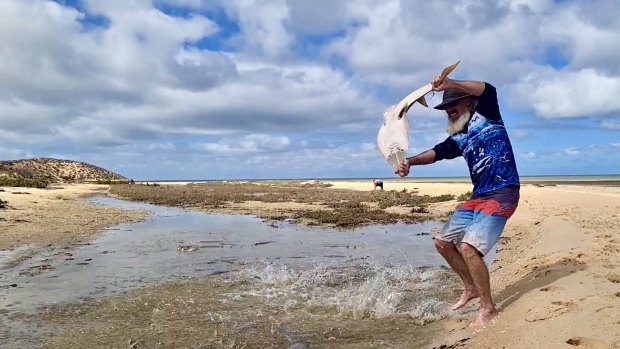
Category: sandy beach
[556,279]
[56,216]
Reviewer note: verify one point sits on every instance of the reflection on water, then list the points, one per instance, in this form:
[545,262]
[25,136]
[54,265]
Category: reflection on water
[381,269]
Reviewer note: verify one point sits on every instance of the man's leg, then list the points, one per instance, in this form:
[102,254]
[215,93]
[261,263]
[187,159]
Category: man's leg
[480,276]
[491,213]
[457,263]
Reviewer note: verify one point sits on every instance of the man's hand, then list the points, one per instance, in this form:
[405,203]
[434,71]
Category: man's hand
[441,84]
[403,168]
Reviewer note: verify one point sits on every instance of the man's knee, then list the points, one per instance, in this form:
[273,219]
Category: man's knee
[468,250]
[441,245]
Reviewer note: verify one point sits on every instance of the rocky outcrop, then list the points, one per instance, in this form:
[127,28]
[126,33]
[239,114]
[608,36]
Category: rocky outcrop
[56,170]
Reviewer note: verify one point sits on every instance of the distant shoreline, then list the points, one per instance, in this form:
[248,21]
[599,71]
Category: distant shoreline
[602,180]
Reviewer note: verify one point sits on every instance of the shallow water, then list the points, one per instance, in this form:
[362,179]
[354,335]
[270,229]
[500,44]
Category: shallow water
[382,269]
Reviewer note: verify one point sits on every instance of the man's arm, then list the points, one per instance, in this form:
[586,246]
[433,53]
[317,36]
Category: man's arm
[474,88]
[486,94]
[447,149]
[424,158]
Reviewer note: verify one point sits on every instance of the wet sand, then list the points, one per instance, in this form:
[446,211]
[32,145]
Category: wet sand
[556,279]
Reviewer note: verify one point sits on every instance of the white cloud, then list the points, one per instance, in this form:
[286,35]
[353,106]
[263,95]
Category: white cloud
[369,147]
[408,49]
[582,93]
[591,150]
[518,133]
[610,124]
[137,79]
[528,155]
[507,43]
[256,143]
[572,151]
[262,25]
[320,16]
[162,146]
[587,31]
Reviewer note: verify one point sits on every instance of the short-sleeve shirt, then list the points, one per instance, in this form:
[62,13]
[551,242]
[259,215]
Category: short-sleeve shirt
[485,146]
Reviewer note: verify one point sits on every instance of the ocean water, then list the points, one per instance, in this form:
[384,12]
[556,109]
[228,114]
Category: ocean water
[524,179]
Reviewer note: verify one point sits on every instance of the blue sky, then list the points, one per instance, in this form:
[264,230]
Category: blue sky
[207,89]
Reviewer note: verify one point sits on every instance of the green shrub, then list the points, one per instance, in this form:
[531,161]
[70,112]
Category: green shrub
[440,198]
[24,182]
[464,197]
[111,181]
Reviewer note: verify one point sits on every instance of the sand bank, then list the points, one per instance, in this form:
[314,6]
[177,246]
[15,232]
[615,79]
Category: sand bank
[557,277]
[57,215]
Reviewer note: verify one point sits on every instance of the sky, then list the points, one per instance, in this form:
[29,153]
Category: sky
[208,89]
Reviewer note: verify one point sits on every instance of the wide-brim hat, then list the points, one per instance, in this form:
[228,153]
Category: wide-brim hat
[450,96]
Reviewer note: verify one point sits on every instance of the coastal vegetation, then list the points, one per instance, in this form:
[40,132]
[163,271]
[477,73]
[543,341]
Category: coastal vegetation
[9,181]
[464,196]
[316,202]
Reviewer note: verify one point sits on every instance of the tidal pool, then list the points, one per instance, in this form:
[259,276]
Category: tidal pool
[380,269]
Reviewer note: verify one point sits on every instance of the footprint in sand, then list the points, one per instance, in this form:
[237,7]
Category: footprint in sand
[609,264]
[556,309]
[588,343]
[615,278]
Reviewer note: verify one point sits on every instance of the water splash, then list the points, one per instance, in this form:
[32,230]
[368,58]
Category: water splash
[430,310]
[379,295]
[359,291]
[270,274]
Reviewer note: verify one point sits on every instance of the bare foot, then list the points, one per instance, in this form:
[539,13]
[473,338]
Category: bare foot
[483,317]
[465,298]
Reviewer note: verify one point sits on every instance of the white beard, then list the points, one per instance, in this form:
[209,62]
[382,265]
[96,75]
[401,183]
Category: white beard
[459,124]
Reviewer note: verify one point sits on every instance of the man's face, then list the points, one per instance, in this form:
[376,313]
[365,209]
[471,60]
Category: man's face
[458,115]
[457,108]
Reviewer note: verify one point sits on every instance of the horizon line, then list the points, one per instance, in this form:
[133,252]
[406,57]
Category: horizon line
[355,178]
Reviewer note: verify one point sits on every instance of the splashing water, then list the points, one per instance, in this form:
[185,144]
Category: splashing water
[377,295]
[359,291]
[430,310]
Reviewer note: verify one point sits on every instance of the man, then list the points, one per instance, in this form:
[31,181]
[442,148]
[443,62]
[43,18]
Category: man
[377,183]
[476,132]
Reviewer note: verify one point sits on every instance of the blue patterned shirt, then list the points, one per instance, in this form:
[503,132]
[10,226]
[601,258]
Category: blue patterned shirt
[485,146]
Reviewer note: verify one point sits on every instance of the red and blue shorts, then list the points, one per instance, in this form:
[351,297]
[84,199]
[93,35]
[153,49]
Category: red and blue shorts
[480,220]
